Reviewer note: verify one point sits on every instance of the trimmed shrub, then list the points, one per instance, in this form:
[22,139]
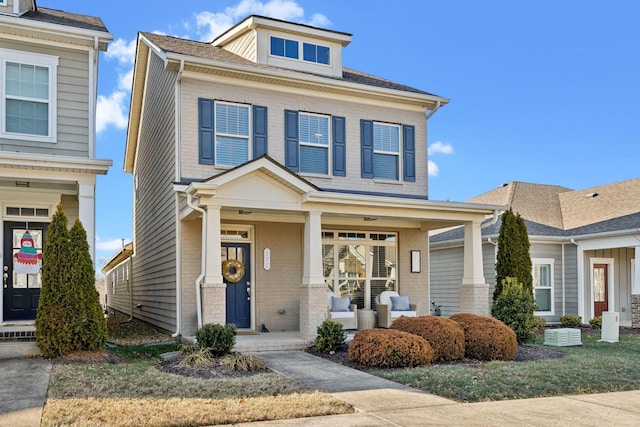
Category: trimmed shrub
[539,322]
[445,336]
[486,338]
[596,322]
[243,362]
[570,321]
[390,348]
[515,306]
[219,339]
[331,335]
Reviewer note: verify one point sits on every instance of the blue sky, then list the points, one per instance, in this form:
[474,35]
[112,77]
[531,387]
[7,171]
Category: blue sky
[545,91]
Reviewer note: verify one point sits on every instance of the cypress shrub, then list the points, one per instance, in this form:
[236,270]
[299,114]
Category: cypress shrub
[445,336]
[486,338]
[513,258]
[89,326]
[53,335]
[390,348]
[515,307]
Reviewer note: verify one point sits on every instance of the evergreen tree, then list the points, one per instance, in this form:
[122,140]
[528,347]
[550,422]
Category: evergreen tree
[89,327]
[513,258]
[52,318]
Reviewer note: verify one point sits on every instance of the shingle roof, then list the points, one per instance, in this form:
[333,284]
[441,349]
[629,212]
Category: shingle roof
[54,16]
[556,211]
[205,50]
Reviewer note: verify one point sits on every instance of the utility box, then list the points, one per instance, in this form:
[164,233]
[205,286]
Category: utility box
[610,326]
[562,337]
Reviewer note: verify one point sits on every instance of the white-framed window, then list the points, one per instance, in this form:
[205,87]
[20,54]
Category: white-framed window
[232,133]
[360,264]
[293,49]
[543,284]
[28,91]
[314,143]
[386,151]
[285,48]
[315,53]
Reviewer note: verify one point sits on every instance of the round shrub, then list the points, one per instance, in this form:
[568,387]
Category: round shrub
[596,322]
[390,348]
[219,339]
[331,335]
[486,338]
[570,321]
[445,336]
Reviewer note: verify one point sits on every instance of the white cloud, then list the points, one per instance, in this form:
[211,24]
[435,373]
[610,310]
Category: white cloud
[210,25]
[111,110]
[122,50]
[109,245]
[440,147]
[432,168]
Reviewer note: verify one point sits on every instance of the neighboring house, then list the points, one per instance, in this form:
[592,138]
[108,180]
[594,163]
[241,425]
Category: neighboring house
[585,249]
[265,173]
[48,74]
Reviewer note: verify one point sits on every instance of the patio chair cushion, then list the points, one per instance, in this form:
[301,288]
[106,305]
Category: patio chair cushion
[340,304]
[400,303]
[404,313]
[342,314]
[384,297]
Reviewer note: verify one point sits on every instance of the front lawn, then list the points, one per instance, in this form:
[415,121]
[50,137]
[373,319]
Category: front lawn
[595,367]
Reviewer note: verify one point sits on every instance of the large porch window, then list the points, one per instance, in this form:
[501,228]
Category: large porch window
[360,264]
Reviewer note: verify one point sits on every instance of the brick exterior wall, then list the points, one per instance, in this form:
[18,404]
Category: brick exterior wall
[635,311]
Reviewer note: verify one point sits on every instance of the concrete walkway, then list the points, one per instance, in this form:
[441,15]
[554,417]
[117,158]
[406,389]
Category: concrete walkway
[23,391]
[379,402]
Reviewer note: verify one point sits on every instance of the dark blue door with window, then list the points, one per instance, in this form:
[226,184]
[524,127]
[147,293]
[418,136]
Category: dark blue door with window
[236,271]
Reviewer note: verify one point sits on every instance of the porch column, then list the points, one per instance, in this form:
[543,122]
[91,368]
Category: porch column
[635,292]
[474,292]
[87,212]
[313,295]
[213,289]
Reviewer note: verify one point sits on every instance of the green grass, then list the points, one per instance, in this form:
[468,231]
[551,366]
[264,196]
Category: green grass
[593,368]
[144,352]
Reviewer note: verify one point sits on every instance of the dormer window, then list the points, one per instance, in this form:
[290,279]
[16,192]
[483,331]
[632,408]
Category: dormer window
[291,49]
[284,47]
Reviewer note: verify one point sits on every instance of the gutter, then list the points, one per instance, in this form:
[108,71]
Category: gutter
[433,111]
[198,282]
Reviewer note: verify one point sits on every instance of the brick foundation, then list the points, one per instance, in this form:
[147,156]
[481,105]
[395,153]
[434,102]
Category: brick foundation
[635,311]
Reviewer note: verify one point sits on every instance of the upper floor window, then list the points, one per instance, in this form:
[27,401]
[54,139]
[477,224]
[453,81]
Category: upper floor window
[543,284]
[28,95]
[284,47]
[230,134]
[315,53]
[386,151]
[314,143]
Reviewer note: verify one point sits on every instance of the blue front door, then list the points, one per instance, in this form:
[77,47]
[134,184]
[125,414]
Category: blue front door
[237,276]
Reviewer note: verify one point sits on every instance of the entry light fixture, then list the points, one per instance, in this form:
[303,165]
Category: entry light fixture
[370,218]
[244,212]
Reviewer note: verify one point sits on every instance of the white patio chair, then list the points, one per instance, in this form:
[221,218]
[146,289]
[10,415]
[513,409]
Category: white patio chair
[340,309]
[387,312]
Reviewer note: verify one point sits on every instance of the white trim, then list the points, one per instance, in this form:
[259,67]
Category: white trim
[250,240]
[551,263]
[610,285]
[635,267]
[249,139]
[328,146]
[39,60]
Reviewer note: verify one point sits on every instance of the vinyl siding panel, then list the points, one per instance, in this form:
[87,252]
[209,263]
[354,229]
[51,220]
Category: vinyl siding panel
[621,278]
[244,46]
[118,288]
[73,96]
[570,280]
[154,261]
[353,110]
[446,276]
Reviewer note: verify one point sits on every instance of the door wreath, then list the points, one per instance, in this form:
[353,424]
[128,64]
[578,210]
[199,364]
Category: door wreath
[232,270]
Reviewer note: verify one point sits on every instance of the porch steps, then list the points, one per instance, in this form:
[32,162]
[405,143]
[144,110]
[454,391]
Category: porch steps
[17,340]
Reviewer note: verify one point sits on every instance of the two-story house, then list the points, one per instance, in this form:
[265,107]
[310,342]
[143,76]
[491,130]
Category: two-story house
[48,81]
[265,174]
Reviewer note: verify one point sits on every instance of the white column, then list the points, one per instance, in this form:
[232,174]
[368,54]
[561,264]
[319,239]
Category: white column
[213,258]
[636,281]
[87,212]
[474,292]
[313,292]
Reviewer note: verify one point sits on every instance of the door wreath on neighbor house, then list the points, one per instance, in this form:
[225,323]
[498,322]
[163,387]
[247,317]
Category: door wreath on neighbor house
[232,270]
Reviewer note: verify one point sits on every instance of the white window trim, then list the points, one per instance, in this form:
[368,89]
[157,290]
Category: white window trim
[308,144]
[398,154]
[549,261]
[36,59]
[634,290]
[216,133]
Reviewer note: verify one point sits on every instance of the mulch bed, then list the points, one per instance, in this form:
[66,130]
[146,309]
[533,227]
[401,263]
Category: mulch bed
[218,370]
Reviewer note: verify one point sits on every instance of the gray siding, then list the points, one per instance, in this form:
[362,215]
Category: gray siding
[570,279]
[72,103]
[621,276]
[117,288]
[154,262]
[446,276]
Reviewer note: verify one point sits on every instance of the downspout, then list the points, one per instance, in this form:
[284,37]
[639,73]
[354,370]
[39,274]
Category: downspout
[563,282]
[496,215]
[433,111]
[202,257]
[176,92]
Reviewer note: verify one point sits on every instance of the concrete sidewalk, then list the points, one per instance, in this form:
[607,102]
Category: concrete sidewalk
[23,391]
[384,403]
